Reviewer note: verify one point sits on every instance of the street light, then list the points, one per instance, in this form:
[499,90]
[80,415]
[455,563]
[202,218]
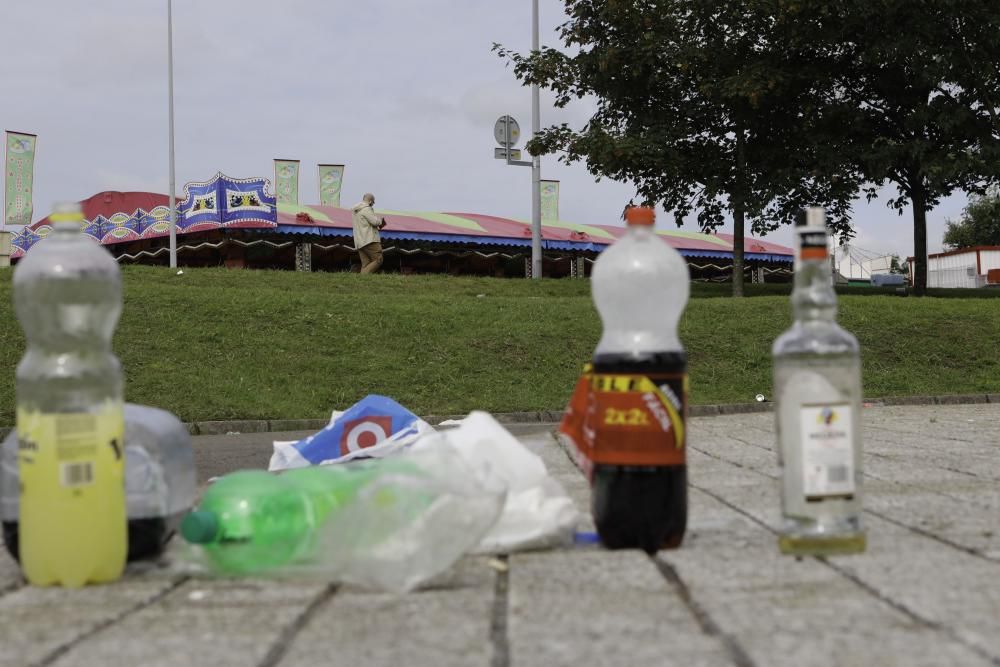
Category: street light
[170,102]
[536,162]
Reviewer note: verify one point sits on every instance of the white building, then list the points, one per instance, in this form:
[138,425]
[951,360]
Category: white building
[858,264]
[966,267]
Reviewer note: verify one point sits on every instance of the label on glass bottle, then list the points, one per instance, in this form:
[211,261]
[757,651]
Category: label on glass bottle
[827,450]
[813,245]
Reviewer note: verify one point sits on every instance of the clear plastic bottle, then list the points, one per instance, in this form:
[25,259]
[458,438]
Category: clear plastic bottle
[817,389]
[639,391]
[68,297]
[160,484]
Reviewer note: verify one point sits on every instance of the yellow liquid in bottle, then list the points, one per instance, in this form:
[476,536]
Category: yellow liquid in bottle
[73,523]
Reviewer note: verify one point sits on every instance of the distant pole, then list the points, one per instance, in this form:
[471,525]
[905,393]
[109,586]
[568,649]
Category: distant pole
[170,102]
[536,163]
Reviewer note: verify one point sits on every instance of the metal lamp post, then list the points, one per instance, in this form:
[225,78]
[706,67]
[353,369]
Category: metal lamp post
[536,162]
[170,102]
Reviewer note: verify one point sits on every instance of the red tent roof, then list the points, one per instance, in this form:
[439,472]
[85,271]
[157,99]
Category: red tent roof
[440,226]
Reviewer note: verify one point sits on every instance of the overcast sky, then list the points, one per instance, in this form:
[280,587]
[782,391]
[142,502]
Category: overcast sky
[405,93]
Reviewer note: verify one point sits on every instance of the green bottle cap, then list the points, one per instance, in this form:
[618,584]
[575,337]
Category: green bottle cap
[200,527]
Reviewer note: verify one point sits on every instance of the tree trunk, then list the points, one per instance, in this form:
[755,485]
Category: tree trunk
[739,212]
[738,222]
[919,242]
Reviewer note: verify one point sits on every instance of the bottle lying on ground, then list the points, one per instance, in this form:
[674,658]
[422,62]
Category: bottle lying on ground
[817,389]
[160,481]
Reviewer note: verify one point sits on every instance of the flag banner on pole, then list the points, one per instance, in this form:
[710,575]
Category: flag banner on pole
[331,177]
[550,199]
[286,181]
[19,168]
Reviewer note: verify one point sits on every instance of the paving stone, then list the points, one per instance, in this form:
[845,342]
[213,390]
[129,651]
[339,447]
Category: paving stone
[39,621]
[909,566]
[443,626]
[204,622]
[587,607]
[922,594]
[814,615]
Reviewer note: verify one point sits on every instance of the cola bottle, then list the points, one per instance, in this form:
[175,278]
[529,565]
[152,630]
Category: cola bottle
[638,400]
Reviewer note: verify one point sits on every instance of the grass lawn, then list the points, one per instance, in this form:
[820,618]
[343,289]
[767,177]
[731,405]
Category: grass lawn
[218,344]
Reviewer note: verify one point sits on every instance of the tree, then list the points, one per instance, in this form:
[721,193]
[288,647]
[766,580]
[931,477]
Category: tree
[979,224]
[914,98]
[706,106]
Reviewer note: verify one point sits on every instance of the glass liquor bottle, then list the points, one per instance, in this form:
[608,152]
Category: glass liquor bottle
[817,388]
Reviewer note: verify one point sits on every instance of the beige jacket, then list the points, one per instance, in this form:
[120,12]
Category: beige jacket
[365,225]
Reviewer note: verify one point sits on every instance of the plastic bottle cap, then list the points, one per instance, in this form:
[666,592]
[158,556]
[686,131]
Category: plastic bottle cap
[66,212]
[200,527]
[640,215]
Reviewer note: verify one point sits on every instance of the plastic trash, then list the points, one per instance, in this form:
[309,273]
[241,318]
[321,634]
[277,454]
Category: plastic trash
[373,427]
[537,513]
[390,524]
[626,418]
[160,484]
[72,518]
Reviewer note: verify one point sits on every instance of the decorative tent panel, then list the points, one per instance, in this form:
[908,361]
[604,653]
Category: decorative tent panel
[228,202]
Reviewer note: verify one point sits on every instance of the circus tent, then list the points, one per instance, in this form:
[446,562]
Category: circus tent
[235,222]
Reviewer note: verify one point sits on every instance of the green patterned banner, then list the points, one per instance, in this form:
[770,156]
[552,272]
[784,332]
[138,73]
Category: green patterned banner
[331,177]
[286,181]
[18,178]
[550,199]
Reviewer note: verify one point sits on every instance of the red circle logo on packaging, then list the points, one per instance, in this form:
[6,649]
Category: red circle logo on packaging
[363,433]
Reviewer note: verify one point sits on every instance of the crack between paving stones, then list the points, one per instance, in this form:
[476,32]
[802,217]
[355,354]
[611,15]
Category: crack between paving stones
[868,510]
[748,443]
[898,606]
[937,538]
[499,615]
[288,634]
[705,621]
[63,649]
[938,436]
[925,489]
[902,608]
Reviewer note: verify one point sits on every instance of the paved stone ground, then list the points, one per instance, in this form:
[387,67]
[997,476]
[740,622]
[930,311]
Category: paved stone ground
[927,591]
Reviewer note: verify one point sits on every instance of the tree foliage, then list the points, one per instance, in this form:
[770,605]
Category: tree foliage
[979,224]
[757,107]
[707,107]
[915,98]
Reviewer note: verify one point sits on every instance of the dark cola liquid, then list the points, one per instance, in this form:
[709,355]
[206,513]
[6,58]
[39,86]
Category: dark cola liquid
[146,537]
[640,507]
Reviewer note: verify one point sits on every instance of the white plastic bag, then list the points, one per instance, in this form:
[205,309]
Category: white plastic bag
[537,513]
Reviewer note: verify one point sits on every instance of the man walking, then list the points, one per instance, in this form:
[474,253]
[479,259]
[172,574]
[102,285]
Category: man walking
[366,239]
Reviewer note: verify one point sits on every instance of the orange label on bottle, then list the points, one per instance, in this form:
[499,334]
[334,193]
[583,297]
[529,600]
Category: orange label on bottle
[813,253]
[629,419]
